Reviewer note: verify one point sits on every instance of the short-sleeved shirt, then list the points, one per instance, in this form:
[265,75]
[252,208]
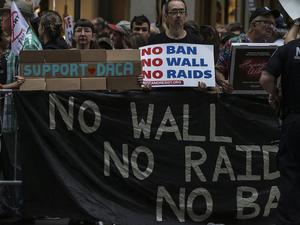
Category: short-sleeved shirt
[286,62]
[224,60]
[162,38]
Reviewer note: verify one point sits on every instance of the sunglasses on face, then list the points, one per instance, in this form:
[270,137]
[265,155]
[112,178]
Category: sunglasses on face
[177,12]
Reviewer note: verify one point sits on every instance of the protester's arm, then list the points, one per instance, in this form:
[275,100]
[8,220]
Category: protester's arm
[146,86]
[268,82]
[14,85]
[224,84]
[222,68]
[293,32]
[201,86]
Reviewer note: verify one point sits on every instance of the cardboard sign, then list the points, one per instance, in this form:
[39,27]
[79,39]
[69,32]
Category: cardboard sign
[247,63]
[33,84]
[291,7]
[80,69]
[178,65]
[63,70]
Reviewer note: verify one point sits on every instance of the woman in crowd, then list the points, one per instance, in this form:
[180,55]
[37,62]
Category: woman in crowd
[84,35]
[51,31]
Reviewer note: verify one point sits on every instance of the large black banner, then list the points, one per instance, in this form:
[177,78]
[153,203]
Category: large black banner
[159,157]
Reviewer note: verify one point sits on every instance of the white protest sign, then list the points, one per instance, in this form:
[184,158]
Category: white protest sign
[178,65]
[19,29]
[291,7]
[69,26]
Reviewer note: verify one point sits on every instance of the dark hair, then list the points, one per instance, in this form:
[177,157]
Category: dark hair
[105,43]
[139,20]
[191,26]
[35,22]
[4,40]
[135,41]
[226,37]
[84,23]
[52,24]
[168,2]
[235,27]
[101,22]
[210,37]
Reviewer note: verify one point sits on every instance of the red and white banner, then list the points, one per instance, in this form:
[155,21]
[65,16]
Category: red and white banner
[19,29]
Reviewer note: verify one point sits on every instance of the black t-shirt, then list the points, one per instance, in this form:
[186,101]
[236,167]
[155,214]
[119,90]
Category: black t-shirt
[58,44]
[286,62]
[162,38]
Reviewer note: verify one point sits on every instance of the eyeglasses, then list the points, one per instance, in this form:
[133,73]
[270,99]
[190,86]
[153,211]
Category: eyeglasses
[177,12]
[265,23]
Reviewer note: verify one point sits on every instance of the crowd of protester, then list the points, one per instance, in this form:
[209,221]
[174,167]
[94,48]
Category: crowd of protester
[47,32]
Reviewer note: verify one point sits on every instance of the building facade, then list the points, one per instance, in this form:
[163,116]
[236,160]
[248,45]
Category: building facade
[202,11]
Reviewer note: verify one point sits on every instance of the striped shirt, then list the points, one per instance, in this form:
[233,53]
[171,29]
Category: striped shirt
[31,42]
[224,59]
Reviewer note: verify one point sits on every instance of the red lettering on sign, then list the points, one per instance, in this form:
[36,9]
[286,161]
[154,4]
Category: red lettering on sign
[154,62]
[149,51]
[157,62]
[157,74]
[146,62]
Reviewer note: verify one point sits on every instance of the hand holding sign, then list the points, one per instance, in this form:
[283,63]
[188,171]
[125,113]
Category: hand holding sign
[20,80]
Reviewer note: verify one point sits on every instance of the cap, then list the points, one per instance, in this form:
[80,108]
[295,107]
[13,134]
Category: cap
[112,26]
[264,12]
[119,28]
[25,6]
[125,24]
[124,27]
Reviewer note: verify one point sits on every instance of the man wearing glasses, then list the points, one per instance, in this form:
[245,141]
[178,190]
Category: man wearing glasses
[261,29]
[175,17]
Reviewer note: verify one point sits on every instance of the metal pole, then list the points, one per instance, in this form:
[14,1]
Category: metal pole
[16,154]
[77,9]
